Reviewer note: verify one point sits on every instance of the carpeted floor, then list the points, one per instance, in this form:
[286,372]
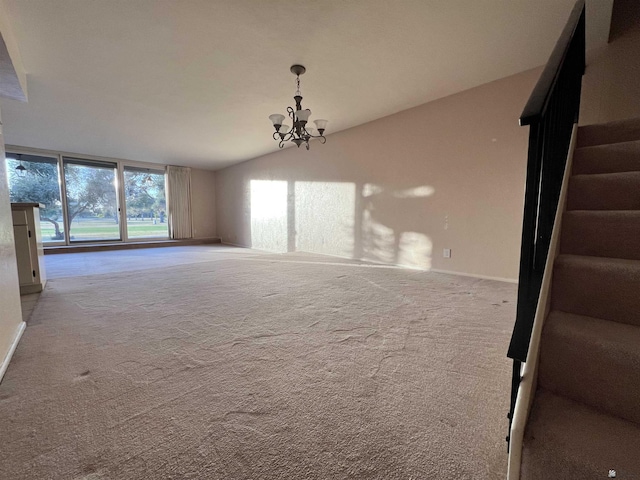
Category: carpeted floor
[261,366]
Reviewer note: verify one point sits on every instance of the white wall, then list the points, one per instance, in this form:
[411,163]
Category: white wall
[203,203]
[12,85]
[447,174]
[10,309]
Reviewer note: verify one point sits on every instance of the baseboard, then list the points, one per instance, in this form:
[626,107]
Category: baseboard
[222,242]
[484,277]
[29,289]
[12,348]
[448,272]
[119,245]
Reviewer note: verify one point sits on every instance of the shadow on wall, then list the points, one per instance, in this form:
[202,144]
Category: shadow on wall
[353,220]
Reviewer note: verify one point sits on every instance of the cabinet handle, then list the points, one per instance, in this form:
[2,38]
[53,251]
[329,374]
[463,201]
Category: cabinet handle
[29,233]
[34,274]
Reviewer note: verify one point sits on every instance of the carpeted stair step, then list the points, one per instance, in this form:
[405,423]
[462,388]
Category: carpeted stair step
[604,191]
[617,157]
[592,361]
[607,288]
[613,132]
[568,440]
[601,233]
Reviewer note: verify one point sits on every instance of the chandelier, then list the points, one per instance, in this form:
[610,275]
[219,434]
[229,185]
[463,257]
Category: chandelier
[300,133]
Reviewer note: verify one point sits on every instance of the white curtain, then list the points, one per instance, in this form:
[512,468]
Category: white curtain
[179,208]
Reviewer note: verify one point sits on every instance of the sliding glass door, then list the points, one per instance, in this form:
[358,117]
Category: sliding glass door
[93,212]
[145,203]
[36,178]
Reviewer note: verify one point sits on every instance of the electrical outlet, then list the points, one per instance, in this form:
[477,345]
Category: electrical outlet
[446,253]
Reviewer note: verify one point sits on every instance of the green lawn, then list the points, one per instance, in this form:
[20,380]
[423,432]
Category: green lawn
[100,229]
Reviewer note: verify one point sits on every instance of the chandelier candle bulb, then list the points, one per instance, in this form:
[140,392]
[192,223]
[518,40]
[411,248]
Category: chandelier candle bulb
[298,133]
[277,120]
[303,115]
[321,125]
[284,129]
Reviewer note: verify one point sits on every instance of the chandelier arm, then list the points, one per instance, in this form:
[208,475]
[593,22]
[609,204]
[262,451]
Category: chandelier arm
[299,126]
[295,127]
[282,137]
[313,136]
[292,116]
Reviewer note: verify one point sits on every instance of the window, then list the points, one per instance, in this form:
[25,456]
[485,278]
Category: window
[145,203]
[84,201]
[39,183]
[92,200]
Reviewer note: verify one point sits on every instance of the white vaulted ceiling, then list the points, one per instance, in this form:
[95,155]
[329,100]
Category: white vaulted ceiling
[192,82]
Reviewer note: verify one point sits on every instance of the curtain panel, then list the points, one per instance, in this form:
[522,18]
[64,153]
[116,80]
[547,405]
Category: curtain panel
[179,201]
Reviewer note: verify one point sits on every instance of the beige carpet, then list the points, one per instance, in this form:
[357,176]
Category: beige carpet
[261,367]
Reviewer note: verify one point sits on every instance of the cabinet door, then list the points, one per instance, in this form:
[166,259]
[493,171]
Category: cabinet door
[23,252]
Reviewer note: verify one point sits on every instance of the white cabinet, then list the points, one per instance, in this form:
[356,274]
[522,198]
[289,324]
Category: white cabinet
[29,250]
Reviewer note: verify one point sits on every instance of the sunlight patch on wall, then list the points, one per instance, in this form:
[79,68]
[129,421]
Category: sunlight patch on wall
[416,192]
[414,250]
[269,215]
[390,233]
[324,213]
[379,240]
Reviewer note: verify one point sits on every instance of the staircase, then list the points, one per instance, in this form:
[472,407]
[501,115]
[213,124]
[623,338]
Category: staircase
[585,419]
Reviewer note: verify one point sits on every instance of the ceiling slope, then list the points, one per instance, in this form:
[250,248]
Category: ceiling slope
[192,82]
